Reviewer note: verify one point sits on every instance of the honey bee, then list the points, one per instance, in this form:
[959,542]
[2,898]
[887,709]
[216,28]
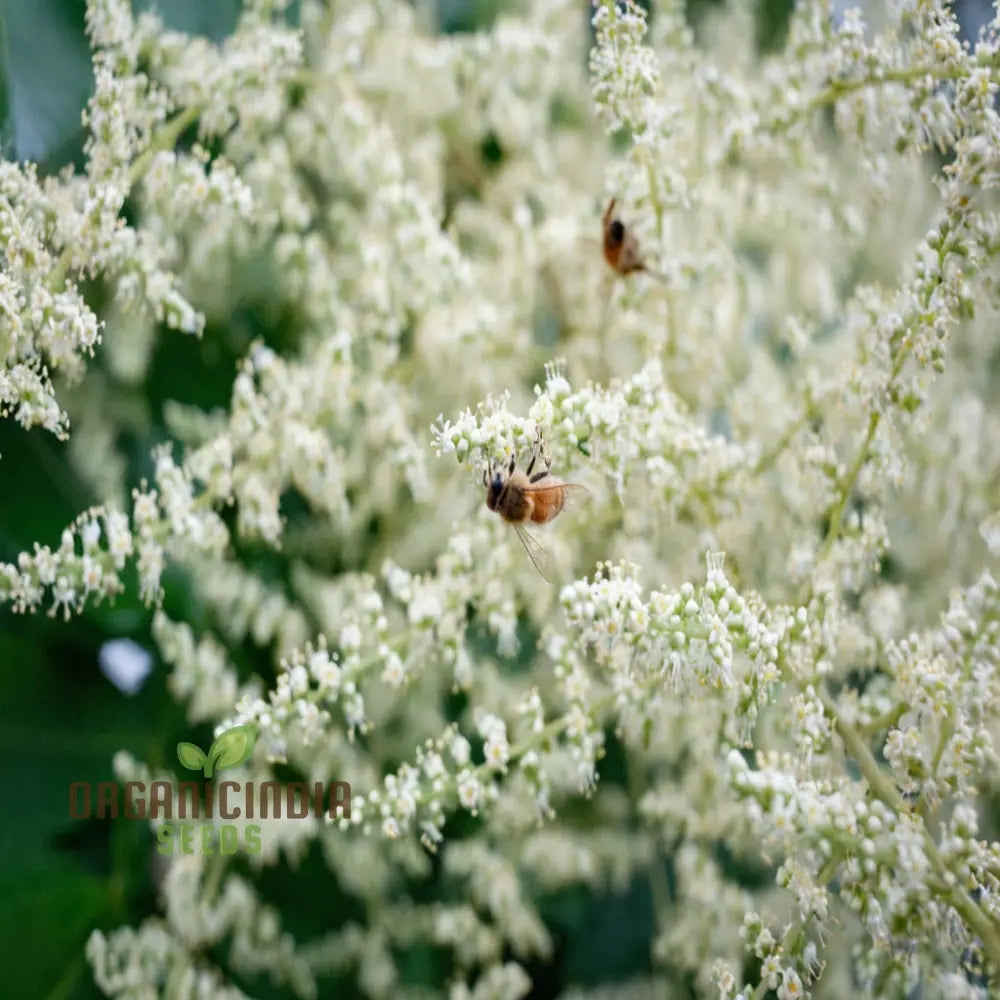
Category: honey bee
[621,248]
[530,496]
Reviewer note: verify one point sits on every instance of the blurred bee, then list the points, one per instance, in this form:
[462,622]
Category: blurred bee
[535,496]
[621,248]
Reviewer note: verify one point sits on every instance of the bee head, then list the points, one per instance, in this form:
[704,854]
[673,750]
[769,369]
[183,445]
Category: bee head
[616,232]
[494,487]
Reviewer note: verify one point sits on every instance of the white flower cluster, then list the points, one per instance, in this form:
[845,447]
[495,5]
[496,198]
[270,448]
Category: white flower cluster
[381,229]
[204,908]
[638,429]
[690,633]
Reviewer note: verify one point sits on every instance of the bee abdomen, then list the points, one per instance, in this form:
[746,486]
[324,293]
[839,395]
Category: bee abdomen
[546,506]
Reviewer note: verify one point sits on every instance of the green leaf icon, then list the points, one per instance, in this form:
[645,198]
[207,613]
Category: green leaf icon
[231,748]
[191,756]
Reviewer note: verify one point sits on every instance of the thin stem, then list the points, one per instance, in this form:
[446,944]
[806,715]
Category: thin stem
[884,721]
[216,865]
[556,727]
[857,747]
[68,982]
[166,138]
[837,89]
[886,791]
[553,729]
[173,989]
[841,88]
[774,453]
[847,485]
[854,740]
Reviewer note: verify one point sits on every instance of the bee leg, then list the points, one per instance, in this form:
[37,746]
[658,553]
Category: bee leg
[536,449]
[513,462]
[546,457]
[609,212]
[534,457]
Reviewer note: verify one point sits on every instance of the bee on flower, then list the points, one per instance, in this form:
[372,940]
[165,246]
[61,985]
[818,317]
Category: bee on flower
[533,496]
[621,247]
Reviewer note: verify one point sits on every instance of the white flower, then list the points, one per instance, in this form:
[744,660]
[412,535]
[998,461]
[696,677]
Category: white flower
[469,791]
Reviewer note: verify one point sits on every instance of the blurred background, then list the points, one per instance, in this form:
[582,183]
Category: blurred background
[72,693]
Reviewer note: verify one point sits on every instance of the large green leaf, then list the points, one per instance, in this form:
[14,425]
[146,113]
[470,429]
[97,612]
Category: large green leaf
[44,925]
[61,721]
[47,78]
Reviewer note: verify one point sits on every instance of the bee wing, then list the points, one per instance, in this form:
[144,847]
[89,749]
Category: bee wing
[538,554]
[573,495]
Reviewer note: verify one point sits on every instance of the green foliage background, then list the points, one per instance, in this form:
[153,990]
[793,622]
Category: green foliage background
[60,718]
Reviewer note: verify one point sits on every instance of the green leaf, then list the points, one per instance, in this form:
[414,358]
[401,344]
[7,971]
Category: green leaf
[191,756]
[46,74]
[45,921]
[47,77]
[232,747]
